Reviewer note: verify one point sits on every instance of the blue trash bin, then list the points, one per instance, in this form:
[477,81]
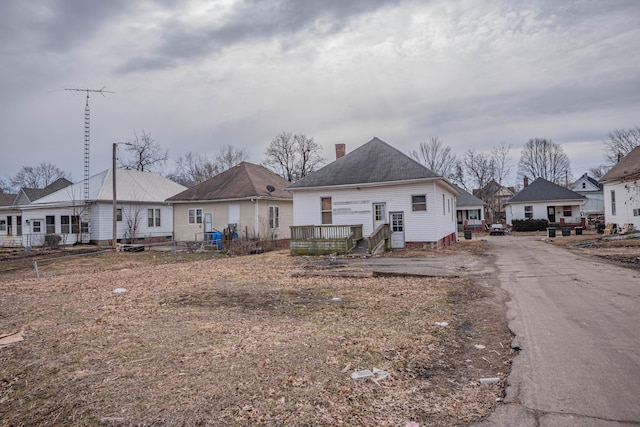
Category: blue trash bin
[216,239]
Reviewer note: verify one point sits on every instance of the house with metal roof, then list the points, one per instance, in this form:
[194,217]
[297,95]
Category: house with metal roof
[469,211]
[247,198]
[367,189]
[141,211]
[622,191]
[543,199]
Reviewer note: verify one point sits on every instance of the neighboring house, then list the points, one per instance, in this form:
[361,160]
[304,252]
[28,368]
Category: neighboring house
[543,199]
[592,190]
[10,219]
[248,198]
[469,211]
[495,197]
[140,210]
[30,195]
[622,191]
[372,186]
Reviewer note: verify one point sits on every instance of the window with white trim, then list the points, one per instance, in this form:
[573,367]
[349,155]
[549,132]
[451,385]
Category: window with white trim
[153,217]
[419,203]
[50,220]
[3,225]
[119,215]
[36,226]
[195,216]
[326,210]
[613,202]
[528,212]
[65,224]
[274,217]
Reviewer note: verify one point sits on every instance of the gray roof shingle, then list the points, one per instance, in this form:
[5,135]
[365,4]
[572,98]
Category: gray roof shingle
[240,182]
[374,162]
[543,190]
[627,167]
[467,199]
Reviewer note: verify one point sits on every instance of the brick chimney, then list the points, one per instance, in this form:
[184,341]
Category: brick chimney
[526,181]
[341,150]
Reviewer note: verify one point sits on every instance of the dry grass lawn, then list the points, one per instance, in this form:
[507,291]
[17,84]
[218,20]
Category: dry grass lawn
[201,340]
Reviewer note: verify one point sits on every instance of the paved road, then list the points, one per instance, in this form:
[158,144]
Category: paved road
[577,323]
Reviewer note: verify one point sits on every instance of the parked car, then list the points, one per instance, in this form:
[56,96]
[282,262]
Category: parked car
[497,230]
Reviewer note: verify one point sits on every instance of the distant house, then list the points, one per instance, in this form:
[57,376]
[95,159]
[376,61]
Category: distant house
[29,195]
[469,211]
[371,187]
[495,197]
[593,191]
[10,219]
[543,199]
[140,210]
[622,191]
[247,198]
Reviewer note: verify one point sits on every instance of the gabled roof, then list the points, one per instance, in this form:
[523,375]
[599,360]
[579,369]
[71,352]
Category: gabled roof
[627,167]
[131,186]
[7,199]
[467,199]
[492,188]
[374,162]
[29,195]
[542,190]
[587,178]
[242,181]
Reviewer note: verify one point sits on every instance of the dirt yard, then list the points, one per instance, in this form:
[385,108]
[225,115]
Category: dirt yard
[201,339]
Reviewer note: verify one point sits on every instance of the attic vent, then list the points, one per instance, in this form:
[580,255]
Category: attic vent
[271,188]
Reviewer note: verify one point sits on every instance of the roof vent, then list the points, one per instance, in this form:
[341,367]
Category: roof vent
[271,188]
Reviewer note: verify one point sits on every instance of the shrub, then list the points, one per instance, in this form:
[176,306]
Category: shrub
[530,224]
[52,240]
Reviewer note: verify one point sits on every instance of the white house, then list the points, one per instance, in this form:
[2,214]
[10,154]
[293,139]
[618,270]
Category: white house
[140,210]
[622,191]
[470,211]
[543,199]
[592,190]
[377,184]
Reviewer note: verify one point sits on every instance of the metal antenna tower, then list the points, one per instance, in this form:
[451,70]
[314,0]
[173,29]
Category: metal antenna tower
[87,134]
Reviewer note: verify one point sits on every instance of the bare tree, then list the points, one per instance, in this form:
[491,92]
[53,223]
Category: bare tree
[619,143]
[230,156]
[193,168]
[37,177]
[5,188]
[293,156]
[478,168]
[501,161]
[145,154]
[438,158]
[543,158]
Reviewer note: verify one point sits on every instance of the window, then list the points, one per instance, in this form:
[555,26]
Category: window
[3,225]
[36,226]
[9,226]
[419,203]
[473,214]
[84,226]
[153,217]
[75,222]
[65,224]
[636,212]
[378,212]
[613,202]
[327,215]
[566,211]
[274,217]
[528,212]
[119,214]
[51,224]
[19,225]
[195,216]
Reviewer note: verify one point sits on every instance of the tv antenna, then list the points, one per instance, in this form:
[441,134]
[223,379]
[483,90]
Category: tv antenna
[87,133]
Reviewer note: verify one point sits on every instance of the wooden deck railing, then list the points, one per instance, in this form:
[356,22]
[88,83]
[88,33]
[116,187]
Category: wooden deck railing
[326,232]
[381,233]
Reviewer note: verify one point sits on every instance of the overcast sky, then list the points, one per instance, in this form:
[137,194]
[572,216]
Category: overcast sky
[199,75]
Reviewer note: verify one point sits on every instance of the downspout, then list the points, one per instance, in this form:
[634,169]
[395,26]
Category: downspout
[255,218]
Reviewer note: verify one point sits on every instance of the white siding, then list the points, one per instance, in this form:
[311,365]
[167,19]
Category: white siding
[627,199]
[353,206]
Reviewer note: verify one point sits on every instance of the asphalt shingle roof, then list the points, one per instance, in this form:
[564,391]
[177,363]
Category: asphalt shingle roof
[34,194]
[543,190]
[374,162]
[627,167]
[240,182]
[467,199]
[7,199]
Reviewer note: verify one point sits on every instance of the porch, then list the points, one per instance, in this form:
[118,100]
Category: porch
[324,239]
